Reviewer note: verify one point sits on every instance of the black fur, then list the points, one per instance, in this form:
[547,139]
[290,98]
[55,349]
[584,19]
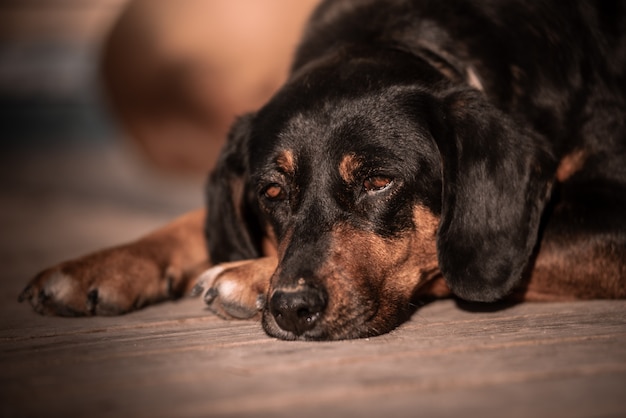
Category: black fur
[496,182]
[392,79]
[232,227]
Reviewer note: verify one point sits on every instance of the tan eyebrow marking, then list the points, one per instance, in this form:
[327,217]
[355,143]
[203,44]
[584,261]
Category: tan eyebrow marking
[473,80]
[286,162]
[570,164]
[349,164]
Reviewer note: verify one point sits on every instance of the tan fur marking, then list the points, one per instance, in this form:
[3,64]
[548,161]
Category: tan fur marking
[426,223]
[349,164]
[473,80]
[269,244]
[286,162]
[368,274]
[436,287]
[570,164]
[237,186]
[402,258]
[422,265]
[585,269]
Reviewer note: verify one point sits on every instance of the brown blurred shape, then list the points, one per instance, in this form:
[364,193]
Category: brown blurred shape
[178,72]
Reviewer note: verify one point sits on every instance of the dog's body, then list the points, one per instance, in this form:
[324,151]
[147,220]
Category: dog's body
[419,148]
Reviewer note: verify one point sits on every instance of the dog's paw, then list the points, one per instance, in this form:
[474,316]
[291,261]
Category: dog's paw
[238,289]
[109,282]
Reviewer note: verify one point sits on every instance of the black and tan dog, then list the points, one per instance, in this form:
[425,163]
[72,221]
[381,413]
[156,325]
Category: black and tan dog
[419,148]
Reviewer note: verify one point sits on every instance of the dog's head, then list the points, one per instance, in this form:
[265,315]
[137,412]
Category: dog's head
[374,176]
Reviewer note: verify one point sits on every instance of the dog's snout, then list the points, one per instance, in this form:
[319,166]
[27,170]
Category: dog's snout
[297,310]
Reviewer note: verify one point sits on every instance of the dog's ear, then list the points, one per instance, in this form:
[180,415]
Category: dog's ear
[232,227]
[495,186]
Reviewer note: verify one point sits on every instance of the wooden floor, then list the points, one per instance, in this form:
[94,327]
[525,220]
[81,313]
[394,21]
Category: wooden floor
[177,360]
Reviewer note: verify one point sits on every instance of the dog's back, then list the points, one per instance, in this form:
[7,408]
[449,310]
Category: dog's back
[553,65]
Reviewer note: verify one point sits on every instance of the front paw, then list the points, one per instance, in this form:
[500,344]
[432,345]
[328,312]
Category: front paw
[238,289]
[110,282]
[53,292]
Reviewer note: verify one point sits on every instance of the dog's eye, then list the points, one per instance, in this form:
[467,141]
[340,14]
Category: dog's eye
[274,192]
[376,183]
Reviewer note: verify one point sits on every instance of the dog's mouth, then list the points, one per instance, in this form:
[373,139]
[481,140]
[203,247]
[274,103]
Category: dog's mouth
[273,326]
[313,328]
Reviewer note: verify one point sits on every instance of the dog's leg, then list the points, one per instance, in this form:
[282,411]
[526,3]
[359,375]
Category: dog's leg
[583,251]
[120,279]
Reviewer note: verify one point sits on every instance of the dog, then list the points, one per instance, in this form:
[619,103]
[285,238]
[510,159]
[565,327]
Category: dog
[419,149]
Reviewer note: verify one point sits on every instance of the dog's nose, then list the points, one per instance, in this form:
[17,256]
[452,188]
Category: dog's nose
[297,310]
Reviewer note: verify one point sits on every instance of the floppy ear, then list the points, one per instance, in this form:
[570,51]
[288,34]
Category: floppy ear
[496,181]
[232,228]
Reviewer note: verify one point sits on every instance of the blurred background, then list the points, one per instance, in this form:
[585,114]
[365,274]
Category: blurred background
[48,65]
[171,74]
[113,111]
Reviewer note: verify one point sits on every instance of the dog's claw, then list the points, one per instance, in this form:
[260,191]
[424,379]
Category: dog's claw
[92,301]
[210,295]
[197,290]
[27,293]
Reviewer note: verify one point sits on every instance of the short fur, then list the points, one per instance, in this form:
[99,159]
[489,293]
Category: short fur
[425,148]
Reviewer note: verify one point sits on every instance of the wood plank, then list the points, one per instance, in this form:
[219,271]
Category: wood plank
[202,364]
